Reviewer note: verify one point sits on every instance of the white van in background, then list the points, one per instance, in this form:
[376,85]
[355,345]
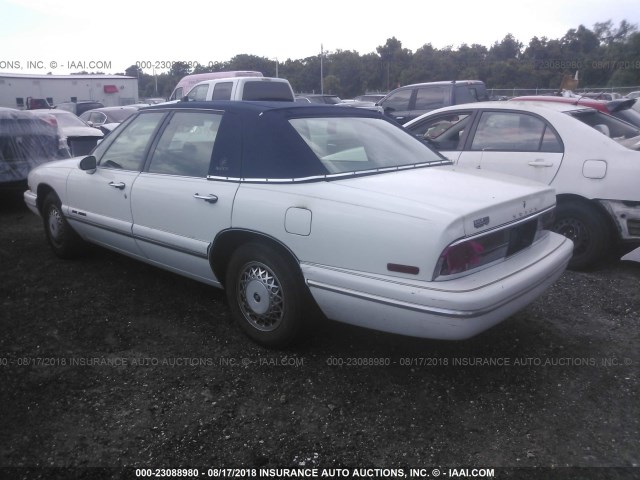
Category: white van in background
[186,83]
[242,88]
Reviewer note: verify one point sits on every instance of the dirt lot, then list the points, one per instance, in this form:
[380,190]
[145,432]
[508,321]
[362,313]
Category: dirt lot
[107,362]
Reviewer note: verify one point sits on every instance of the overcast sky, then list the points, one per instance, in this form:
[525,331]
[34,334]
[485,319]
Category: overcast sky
[119,33]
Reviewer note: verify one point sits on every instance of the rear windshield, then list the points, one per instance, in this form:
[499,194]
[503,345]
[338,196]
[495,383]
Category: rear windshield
[278,91]
[606,124]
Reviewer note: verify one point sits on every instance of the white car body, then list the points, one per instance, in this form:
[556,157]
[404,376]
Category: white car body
[591,167]
[366,247]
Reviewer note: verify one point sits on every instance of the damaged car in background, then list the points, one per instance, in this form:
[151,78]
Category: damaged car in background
[589,157]
[79,136]
[298,211]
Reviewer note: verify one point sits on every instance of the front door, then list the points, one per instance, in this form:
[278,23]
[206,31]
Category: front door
[98,202]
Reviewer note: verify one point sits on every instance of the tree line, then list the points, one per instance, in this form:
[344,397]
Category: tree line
[605,55]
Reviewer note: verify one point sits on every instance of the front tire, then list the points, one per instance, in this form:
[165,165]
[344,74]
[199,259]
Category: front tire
[64,241]
[266,295]
[589,230]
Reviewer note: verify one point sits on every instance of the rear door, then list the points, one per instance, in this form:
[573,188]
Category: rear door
[513,142]
[177,210]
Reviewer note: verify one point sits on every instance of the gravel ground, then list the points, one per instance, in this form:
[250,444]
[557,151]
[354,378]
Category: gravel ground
[107,362]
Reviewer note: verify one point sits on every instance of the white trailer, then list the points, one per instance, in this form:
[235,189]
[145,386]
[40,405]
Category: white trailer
[111,90]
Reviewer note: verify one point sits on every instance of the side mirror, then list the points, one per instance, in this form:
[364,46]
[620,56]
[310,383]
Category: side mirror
[88,164]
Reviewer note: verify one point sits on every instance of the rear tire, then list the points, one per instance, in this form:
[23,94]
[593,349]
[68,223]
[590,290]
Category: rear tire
[267,295]
[589,230]
[64,241]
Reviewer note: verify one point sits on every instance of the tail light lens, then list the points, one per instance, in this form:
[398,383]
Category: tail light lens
[486,249]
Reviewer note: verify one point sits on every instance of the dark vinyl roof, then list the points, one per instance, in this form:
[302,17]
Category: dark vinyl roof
[284,109]
[256,140]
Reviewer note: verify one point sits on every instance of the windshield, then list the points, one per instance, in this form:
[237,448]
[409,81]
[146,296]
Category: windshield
[354,144]
[68,120]
[629,115]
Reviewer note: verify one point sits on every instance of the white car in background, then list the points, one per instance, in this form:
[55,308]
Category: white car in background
[288,206]
[589,157]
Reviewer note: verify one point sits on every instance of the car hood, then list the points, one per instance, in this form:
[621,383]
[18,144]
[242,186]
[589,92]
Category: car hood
[483,200]
[81,132]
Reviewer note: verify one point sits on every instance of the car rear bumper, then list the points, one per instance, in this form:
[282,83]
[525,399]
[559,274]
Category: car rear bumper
[452,310]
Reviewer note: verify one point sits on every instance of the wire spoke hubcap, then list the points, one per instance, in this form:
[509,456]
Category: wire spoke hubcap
[260,297]
[56,226]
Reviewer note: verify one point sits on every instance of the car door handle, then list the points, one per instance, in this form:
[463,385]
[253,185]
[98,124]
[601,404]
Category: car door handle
[541,163]
[118,185]
[207,198]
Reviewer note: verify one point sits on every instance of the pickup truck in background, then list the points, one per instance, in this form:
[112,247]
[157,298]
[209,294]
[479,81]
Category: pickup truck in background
[242,88]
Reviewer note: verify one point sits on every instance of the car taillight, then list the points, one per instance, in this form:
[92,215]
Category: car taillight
[481,251]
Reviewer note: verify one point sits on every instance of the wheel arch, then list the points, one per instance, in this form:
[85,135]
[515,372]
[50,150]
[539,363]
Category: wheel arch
[597,206]
[41,194]
[228,241]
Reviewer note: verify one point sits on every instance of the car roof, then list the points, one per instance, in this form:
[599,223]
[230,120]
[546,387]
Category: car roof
[539,106]
[290,109]
[112,109]
[446,82]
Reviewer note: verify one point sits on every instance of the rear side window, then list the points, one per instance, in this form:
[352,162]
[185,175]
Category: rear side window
[186,144]
[466,94]
[222,91]
[278,91]
[431,98]
[515,132]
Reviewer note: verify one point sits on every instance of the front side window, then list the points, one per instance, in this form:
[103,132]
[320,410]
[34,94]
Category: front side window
[198,93]
[399,101]
[127,150]
[516,132]
[444,132]
[186,144]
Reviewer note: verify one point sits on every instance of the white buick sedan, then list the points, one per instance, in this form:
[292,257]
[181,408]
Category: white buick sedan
[590,158]
[291,207]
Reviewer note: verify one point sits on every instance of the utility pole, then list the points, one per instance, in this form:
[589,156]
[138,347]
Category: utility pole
[321,75]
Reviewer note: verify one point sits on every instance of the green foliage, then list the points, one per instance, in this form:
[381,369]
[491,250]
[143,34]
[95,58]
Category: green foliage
[604,55]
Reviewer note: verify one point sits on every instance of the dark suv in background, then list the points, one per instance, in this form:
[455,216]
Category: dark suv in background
[411,101]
